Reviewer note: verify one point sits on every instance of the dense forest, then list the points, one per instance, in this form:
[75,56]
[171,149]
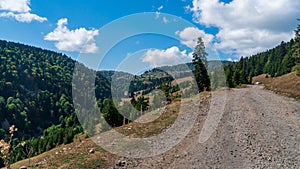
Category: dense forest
[35,87]
[278,61]
[36,97]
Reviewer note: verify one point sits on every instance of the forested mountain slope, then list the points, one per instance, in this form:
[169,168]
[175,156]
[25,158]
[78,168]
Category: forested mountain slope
[36,96]
[275,62]
[35,84]
[35,87]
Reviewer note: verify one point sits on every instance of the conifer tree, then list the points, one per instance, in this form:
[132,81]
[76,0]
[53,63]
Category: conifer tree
[296,45]
[200,63]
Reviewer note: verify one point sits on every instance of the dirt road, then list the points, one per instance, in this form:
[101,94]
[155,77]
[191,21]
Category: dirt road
[258,129]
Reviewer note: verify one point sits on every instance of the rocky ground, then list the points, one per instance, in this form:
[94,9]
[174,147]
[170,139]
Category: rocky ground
[244,128]
[258,129]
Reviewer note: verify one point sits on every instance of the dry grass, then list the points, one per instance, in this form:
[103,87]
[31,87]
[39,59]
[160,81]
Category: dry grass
[288,84]
[143,130]
[76,154]
[178,81]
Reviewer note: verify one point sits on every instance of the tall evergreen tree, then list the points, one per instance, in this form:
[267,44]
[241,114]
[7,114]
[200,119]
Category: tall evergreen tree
[200,63]
[166,86]
[296,45]
[296,50]
[111,114]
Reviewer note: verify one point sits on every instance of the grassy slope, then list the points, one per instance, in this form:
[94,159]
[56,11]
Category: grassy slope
[76,154]
[288,84]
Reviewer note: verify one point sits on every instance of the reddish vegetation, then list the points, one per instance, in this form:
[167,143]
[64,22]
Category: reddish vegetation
[288,84]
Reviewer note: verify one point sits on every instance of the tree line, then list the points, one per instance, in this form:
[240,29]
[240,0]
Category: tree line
[275,62]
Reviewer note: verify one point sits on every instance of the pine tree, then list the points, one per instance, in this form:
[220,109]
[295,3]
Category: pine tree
[296,50]
[296,46]
[200,63]
[166,90]
[111,114]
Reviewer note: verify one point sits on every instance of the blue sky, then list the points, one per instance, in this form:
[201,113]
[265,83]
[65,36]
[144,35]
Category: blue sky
[81,29]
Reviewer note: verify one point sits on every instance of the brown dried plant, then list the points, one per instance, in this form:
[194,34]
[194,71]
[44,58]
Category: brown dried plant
[6,147]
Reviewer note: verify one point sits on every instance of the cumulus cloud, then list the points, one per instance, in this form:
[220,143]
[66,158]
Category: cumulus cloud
[19,10]
[80,40]
[23,17]
[189,37]
[170,56]
[247,27]
[15,5]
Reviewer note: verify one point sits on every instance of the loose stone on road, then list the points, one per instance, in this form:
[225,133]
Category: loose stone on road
[258,129]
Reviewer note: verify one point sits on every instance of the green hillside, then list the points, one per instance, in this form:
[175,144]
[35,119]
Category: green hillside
[275,62]
[35,95]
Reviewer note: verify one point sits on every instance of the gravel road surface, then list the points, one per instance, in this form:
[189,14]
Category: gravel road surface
[258,129]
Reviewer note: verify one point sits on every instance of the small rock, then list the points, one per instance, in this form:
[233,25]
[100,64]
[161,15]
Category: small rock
[121,163]
[92,151]
[23,167]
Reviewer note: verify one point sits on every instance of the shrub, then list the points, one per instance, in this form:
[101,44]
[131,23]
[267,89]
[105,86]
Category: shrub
[296,68]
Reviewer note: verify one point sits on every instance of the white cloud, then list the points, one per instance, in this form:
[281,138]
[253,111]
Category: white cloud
[80,39]
[160,8]
[23,17]
[229,59]
[21,6]
[248,26]
[189,37]
[19,10]
[157,13]
[165,20]
[170,56]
